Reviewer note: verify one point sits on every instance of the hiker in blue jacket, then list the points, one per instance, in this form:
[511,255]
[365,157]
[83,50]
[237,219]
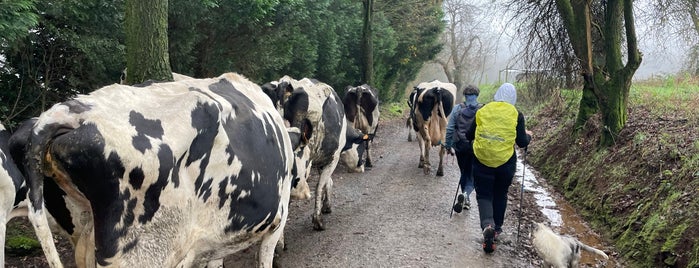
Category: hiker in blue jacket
[456,143]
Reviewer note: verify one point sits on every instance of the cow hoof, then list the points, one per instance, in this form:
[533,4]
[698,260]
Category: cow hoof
[318,223]
[440,173]
[275,263]
[368,165]
[421,165]
[426,171]
[326,210]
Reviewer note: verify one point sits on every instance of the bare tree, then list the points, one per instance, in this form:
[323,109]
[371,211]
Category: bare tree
[676,19]
[465,47]
[596,32]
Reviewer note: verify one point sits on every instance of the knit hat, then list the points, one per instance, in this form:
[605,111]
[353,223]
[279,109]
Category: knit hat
[506,93]
[471,90]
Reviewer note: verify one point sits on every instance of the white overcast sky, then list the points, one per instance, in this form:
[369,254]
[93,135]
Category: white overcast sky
[660,57]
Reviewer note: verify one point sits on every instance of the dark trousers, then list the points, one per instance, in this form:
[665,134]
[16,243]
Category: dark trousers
[465,160]
[492,185]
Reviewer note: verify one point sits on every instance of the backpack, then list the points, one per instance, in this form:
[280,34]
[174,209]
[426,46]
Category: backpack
[464,119]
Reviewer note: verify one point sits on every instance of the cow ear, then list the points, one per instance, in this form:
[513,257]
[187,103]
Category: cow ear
[306,131]
[350,104]
[296,107]
[300,136]
[286,87]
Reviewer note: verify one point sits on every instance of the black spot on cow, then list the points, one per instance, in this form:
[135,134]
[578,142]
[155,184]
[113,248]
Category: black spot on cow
[205,120]
[129,217]
[175,177]
[151,200]
[263,195]
[333,117]
[222,195]
[144,128]
[205,191]
[80,153]
[136,178]
[130,246]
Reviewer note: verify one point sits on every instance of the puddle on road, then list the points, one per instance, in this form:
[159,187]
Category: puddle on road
[562,217]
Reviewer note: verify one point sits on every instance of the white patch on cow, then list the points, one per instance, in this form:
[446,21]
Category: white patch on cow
[59,114]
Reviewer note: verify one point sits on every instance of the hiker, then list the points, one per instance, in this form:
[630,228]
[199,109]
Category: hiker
[456,143]
[498,126]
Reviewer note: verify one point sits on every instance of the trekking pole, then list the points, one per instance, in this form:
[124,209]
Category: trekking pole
[458,185]
[451,208]
[521,193]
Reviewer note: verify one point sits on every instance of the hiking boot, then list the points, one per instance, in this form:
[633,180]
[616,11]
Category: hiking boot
[467,204]
[459,203]
[489,239]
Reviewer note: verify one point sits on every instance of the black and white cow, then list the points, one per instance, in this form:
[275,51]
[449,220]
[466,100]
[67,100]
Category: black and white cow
[167,175]
[308,99]
[362,110]
[429,114]
[412,99]
[11,188]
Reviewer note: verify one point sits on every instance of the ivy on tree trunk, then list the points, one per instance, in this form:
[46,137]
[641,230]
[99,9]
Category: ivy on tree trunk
[607,78]
[147,41]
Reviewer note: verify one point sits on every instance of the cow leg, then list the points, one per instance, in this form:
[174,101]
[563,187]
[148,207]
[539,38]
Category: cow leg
[427,165]
[440,168]
[269,243]
[368,156]
[39,220]
[322,193]
[421,144]
[327,209]
[409,125]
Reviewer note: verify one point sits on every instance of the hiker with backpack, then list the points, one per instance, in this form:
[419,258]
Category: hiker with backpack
[497,128]
[456,143]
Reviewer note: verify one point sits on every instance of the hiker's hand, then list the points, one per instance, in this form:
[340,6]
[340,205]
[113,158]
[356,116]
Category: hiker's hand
[529,132]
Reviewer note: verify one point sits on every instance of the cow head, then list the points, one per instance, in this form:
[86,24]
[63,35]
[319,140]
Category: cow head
[353,152]
[302,164]
[278,92]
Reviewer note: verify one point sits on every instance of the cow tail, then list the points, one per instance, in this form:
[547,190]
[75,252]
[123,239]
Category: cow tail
[37,147]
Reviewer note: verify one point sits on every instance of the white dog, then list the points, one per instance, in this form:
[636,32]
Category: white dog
[559,251]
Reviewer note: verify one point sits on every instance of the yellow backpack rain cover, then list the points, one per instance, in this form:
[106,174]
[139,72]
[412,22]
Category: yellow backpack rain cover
[495,133]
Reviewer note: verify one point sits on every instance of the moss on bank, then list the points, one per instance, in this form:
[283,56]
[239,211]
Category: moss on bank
[641,193]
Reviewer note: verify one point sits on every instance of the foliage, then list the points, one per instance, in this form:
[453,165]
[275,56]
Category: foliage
[21,245]
[79,46]
[76,47]
[16,18]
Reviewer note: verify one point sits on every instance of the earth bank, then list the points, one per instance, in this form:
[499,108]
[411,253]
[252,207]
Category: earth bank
[641,193]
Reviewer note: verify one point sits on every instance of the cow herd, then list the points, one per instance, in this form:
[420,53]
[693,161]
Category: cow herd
[184,173]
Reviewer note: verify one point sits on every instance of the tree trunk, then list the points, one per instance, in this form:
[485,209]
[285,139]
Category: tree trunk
[607,79]
[367,45]
[146,41]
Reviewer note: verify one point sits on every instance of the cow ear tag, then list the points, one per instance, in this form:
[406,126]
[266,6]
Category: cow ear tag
[366,137]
